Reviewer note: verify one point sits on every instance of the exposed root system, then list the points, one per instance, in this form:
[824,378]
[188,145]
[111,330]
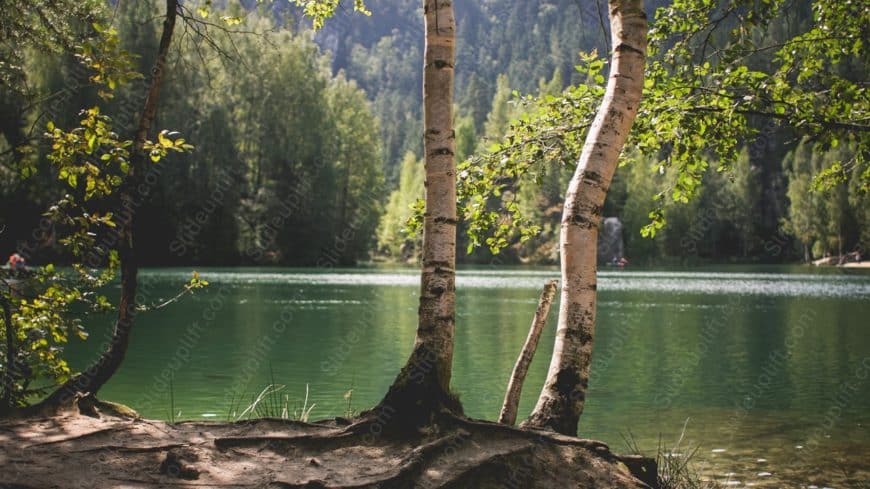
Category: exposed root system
[84,451]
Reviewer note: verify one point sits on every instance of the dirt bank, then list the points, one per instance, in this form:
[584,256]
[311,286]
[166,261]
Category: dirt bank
[81,451]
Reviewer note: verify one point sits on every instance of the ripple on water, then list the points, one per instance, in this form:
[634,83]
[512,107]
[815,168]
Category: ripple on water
[768,284]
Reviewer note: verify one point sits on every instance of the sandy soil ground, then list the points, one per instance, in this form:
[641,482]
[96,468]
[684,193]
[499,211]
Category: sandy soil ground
[73,451]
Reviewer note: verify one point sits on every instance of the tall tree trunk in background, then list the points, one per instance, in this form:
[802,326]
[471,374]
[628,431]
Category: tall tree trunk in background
[840,242]
[346,255]
[11,354]
[91,380]
[422,388]
[561,401]
[12,128]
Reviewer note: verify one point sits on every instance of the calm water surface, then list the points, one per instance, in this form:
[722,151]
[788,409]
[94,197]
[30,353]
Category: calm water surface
[768,369]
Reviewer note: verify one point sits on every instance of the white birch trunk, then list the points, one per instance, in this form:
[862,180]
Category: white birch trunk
[438,282]
[423,385]
[562,398]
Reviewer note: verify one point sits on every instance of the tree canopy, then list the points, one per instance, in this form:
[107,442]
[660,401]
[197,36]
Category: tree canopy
[716,72]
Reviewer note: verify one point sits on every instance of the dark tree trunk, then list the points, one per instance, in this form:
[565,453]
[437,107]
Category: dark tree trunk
[12,128]
[11,354]
[92,379]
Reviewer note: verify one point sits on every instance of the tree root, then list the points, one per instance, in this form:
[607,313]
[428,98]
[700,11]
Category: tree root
[334,438]
[82,403]
[553,437]
[83,436]
[279,443]
[171,483]
[127,449]
[400,477]
[489,465]
[375,428]
[453,453]
[258,421]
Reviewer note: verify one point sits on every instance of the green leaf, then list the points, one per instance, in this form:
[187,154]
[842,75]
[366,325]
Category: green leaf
[163,140]
[230,20]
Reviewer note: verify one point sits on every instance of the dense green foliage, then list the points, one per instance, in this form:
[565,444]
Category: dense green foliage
[825,223]
[288,164]
[526,41]
[289,151]
[394,240]
[106,179]
[42,307]
[38,323]
[751,141]
[720,78]
[56,26]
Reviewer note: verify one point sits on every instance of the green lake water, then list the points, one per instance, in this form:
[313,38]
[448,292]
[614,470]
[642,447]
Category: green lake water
[768,369]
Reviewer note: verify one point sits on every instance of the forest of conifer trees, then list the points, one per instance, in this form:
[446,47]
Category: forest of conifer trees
[355,158]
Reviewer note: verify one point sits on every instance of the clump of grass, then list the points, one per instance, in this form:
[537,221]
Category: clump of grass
[349,411]
[305,412]
[676,467]
[270,403]
[264,404]
[232,409]
[172,413]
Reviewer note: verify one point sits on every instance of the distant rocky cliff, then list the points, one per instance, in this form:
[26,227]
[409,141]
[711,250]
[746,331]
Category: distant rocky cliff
[611,247]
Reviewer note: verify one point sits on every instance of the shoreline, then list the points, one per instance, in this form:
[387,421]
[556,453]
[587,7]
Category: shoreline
[110,451]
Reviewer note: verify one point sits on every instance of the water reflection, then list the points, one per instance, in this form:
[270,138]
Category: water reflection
[767,284]
[759,363]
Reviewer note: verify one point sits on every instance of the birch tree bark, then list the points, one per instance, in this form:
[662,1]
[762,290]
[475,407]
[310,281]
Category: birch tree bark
[561,401]
[423,385]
